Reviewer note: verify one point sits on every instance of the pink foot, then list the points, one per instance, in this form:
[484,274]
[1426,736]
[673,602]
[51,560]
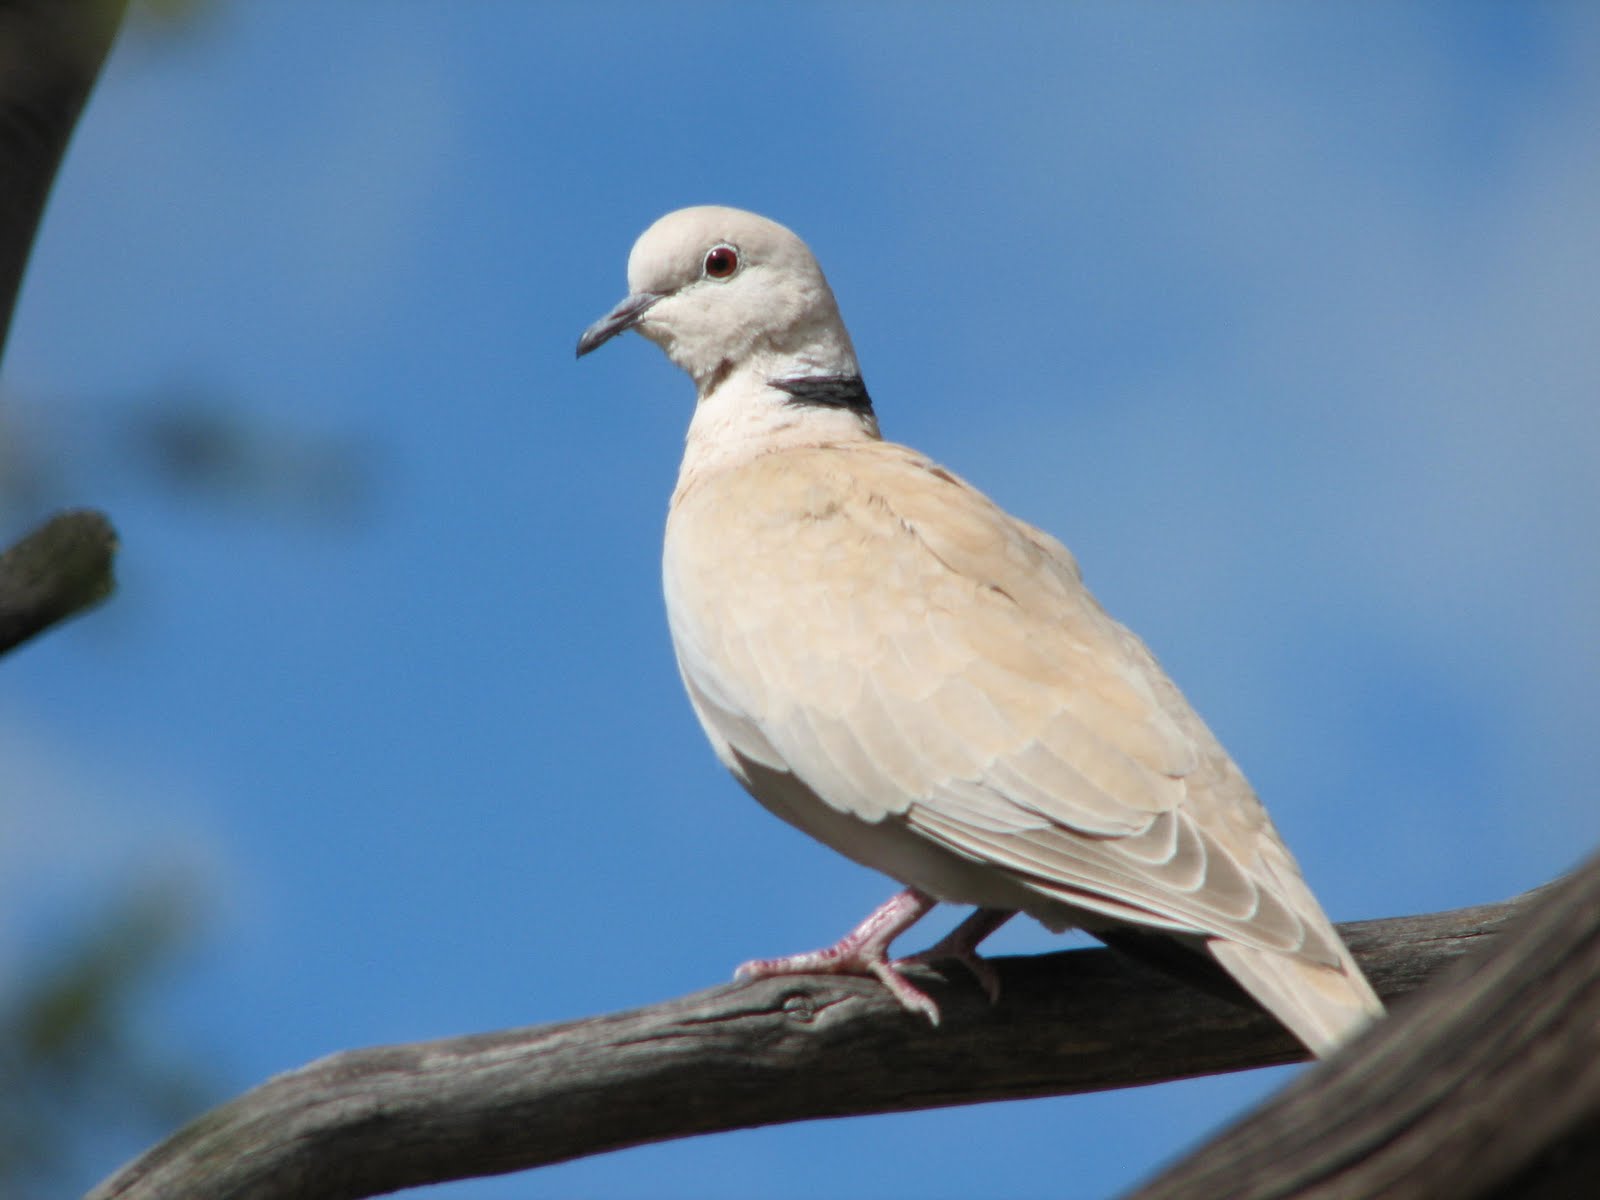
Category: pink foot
[961,945]
[862,951]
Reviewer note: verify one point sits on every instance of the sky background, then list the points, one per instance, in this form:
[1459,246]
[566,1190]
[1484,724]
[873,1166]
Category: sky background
[1282,317]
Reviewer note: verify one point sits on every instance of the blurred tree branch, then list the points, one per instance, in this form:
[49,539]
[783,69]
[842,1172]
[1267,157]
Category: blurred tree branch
[57,571]
[51,52]
[1487,1089]
[370,1121]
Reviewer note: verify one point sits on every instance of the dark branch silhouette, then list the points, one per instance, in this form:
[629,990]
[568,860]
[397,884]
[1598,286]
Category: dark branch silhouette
[57,571]
[365,1122]
[51,52]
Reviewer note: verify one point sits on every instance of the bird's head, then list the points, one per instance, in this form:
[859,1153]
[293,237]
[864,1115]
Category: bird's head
[725,291]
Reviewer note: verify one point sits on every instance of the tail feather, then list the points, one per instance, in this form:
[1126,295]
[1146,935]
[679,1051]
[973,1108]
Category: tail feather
[1322,1005]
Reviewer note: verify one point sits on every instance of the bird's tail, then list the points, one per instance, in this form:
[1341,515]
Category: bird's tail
[1322,1005]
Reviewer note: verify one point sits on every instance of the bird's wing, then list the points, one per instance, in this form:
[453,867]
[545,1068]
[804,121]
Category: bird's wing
[863,619]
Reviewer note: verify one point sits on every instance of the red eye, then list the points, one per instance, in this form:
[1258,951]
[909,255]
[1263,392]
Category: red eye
[721,262]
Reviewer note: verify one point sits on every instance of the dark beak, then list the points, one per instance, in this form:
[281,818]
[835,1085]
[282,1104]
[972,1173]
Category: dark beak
[620,319]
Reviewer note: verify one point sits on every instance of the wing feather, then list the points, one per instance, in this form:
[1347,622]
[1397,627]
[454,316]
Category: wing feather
[862,619]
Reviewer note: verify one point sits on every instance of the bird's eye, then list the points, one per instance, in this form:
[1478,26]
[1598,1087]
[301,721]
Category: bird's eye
[721,262]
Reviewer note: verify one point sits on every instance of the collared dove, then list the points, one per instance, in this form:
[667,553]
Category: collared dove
[890,662]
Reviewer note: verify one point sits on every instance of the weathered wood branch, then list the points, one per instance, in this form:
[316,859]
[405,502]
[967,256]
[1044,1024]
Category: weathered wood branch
[365,1122]
[1486,1088]
[57,571]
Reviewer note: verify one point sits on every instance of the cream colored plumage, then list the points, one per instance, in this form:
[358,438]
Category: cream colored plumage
[892,663]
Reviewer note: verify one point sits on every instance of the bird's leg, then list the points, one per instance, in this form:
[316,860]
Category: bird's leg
[961,944]
[862,951]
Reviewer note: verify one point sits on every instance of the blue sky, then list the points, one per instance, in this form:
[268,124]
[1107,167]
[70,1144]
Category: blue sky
[1282,317]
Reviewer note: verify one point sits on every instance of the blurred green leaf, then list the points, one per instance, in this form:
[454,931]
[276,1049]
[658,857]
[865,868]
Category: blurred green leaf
[75,1065]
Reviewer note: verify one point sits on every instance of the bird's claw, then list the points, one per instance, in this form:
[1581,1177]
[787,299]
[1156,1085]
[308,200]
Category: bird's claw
[862,951]
[833,961]
[961,945]
[980,968]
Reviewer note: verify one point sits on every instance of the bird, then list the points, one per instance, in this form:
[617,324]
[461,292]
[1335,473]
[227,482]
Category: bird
[887,660]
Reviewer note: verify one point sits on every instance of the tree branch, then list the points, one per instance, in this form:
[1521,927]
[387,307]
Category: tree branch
[50,56]
[1485,1088]
[57,571]
[369,1121]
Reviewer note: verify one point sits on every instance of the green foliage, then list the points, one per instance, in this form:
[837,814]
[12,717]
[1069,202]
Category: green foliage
[76,1070]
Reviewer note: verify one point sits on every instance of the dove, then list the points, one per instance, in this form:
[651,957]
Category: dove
[893,664]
